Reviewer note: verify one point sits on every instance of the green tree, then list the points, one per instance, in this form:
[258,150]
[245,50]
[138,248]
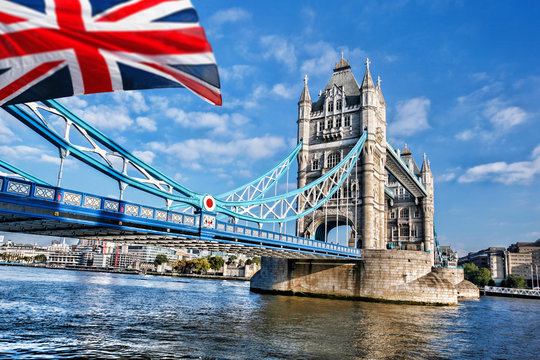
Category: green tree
[470,271]
[482,277]
[479,277]
[179,265]
[216,262]
[231,259]
[202,265]
[515,281]
[41,258]
[161,259]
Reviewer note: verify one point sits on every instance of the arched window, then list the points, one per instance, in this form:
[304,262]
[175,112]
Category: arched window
[404,213]
[404,230]
[338,105]
[333,160]
[330,106]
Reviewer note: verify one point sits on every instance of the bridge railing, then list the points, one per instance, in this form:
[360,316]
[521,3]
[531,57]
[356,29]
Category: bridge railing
[93,203]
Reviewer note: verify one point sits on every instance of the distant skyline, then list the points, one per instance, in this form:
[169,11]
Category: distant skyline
[461,81]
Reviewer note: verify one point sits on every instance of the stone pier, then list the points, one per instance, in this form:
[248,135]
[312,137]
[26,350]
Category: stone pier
[382,275]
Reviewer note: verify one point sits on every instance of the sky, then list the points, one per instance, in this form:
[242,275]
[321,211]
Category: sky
[461,80]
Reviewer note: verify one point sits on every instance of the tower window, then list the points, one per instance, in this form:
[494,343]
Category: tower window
[333,160]
[404,230]
[414,231]
[404,213]
[338,105]
[338,121]
[416,213]
[330,106]
[315,164]
[347,120]
[392,214]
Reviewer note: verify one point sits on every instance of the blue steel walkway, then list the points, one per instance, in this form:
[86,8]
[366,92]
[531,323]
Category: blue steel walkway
[35,208]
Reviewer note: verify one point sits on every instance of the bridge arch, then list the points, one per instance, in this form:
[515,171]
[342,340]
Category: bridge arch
[319,229]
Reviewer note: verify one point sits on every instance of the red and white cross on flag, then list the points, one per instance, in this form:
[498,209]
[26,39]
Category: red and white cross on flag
[57,48]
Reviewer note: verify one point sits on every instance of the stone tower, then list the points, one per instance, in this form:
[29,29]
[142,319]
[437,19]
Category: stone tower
[329,128]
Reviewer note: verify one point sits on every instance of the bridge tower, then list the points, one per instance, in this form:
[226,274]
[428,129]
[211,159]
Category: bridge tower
[329,128]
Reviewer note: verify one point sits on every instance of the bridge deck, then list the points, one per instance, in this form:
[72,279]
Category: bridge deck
[32,208]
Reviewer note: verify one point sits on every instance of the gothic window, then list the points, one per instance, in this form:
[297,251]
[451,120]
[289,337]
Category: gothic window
[404,230]
[315,164]
[338,122]
[414,231]
[417,213]
[404,213]
[395,232]
[333,160]
[347,120]
[327,121]
[330,106]
[338,105]
[392,214]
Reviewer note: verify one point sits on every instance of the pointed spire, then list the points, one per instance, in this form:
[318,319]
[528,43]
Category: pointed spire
[367,83]
[425,164]
[305,92]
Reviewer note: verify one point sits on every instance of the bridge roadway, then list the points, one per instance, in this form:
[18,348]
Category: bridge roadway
[33,208]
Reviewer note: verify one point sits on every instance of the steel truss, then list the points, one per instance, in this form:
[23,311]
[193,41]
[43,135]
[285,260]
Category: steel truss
[100,152]
[297,203]
[246,202]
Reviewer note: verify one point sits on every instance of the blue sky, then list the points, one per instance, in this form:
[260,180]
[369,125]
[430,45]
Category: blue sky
[461,80]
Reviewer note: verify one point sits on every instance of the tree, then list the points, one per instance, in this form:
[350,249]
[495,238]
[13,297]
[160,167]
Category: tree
[482,277]
[41,258]
[515,281]
[231,259]
[161,259]
[179,265]
[202,265]
[216,262]
[479,277]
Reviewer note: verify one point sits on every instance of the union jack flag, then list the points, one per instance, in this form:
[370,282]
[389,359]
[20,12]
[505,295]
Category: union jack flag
[57,48]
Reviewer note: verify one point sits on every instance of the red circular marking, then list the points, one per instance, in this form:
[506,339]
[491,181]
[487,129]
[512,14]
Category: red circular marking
[209,203]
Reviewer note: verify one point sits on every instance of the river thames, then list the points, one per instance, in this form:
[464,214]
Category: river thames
[49,313]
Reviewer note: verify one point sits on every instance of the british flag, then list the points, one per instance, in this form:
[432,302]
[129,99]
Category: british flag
[57,48]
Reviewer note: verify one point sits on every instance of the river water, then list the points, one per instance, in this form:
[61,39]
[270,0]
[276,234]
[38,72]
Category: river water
[46,313]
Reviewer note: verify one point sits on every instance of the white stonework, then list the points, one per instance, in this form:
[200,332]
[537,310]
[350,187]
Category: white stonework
[329,128]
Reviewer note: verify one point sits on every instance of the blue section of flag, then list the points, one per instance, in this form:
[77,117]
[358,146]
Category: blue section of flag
[136,79]
[208,73]
[58,84]
[3,70]
[99,6]
[188,15]
[38,5]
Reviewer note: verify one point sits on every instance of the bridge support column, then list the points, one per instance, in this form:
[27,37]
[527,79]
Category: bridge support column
[382,275]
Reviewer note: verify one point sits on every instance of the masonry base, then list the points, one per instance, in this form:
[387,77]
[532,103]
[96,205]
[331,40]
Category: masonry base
[382,275]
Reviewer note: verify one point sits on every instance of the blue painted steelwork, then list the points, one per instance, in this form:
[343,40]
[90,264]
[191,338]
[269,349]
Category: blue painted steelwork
[281,168]
[153,220]
[36,124]
[325,187]
[21,173]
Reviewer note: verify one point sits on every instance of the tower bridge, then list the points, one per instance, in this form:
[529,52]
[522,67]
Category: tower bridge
[348,174]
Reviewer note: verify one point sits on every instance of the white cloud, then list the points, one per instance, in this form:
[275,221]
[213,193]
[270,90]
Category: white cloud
[146,156]
[231,15]
[465,135]
[280,49]
[506,173]
[283,91]
[196,151]
[504,118]
[219,123]
[236,72]
[411,116]
[6,135]
[146,123]
[133,99]
[449,176]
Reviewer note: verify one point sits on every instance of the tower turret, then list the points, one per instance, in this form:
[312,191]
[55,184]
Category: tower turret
[304,113]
